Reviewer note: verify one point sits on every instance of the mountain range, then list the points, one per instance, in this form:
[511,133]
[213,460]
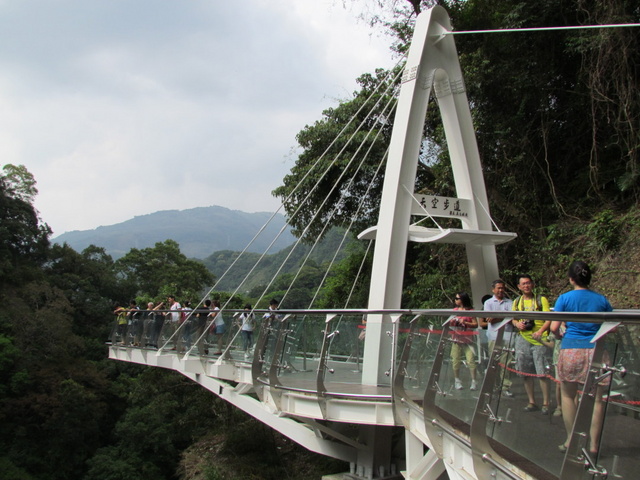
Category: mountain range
[199,232]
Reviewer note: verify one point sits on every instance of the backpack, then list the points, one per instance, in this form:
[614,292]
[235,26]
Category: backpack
[518,305]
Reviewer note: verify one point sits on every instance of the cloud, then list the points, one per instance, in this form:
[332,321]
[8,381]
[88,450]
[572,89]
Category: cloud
[125,108]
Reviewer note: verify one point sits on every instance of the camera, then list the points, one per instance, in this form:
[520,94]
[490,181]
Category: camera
[529,324]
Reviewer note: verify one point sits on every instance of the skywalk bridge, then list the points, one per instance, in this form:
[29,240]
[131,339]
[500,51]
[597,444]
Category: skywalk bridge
[304,378]
[387,403]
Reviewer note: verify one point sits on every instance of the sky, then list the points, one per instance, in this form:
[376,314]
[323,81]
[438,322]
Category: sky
[122,108]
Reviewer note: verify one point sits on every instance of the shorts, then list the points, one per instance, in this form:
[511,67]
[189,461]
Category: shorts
[573,365]
[530,358]
[220,329]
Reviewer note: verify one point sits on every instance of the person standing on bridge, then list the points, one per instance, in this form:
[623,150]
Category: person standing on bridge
[576,351]
[273,307]
[156,323]
[499,303]
[188,320]
[202,314]
[218,326]
[121,332]
[174,316]
[247,322]
[532,355]
[463,331]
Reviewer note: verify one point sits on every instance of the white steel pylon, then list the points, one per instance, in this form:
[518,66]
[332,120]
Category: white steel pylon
[432,64]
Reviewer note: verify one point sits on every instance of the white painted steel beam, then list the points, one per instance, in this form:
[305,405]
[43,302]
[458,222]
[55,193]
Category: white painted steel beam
[432,64]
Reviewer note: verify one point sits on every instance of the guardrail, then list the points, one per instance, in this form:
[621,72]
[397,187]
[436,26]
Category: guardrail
[319,352]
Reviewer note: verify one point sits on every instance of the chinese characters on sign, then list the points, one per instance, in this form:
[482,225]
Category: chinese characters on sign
[409,74]
[431,205]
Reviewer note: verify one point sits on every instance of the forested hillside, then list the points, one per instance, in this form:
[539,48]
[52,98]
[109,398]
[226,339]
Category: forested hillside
[66,410]
[557,117]
[255,280]
[199,232]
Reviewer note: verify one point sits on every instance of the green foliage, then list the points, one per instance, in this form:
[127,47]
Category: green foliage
[19,182]
[10,471]
[219,263]
[426,286]
[249,450]
[349,281]
[211,473]
[111,463]
[163,270]
[604,231]
[326,185]
[165,413]
[199,232]
[301,282]
[23,240]
[89,283]
[557,134]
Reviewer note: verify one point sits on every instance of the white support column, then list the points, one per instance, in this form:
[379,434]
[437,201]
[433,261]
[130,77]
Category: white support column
[432,63]
[467,170]
[395,207]
[421,465]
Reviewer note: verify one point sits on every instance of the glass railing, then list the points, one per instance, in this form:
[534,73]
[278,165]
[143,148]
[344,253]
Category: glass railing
[615,377]
[419,353]
[299,352]
[344,339]
[433,367]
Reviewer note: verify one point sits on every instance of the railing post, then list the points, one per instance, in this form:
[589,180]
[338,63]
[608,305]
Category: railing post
[322,365]
[589,419]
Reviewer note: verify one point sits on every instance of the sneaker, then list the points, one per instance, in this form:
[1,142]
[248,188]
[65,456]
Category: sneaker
[557,412]
[474,385]
[458,384]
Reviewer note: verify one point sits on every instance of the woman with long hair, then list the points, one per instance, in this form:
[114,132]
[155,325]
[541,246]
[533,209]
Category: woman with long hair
[462,341]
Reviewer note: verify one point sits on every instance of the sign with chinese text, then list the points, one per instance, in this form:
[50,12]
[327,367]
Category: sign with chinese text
[434,206]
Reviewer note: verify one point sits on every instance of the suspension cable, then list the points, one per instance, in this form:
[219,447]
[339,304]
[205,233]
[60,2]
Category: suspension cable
[543,29]
[333,162]
[390,82]
[390,105]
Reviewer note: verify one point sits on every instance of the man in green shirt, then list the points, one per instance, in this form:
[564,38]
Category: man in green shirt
[532,345]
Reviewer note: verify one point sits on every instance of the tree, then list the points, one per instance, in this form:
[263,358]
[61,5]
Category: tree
[20,183]
[88,281]
[548,112]
[23,240]
[163,270]
[326,184]
[165,413]
[340,288]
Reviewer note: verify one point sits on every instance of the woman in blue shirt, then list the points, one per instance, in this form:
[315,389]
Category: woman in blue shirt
[577,350]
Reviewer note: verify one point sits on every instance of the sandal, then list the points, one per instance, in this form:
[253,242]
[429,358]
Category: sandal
[532,407]
[562,448]
[545,409]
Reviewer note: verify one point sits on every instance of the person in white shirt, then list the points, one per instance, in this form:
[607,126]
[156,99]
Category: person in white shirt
[174,316]
[218,326]
[247,326]
[499,303]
